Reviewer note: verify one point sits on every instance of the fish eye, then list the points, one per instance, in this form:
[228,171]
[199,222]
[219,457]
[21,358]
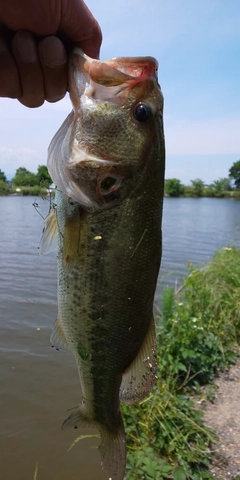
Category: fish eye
[142,112]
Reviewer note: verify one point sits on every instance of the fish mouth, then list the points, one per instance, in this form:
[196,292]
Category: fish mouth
[104,80]
[116,71]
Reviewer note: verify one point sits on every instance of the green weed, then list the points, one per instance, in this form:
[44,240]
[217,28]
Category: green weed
[82,437]
[35,190]
[166,437]
[35,472]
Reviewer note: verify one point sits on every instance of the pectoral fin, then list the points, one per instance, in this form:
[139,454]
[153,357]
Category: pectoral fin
[48,241]
[140,377]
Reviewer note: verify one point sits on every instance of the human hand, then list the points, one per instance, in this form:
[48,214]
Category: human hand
[35,38]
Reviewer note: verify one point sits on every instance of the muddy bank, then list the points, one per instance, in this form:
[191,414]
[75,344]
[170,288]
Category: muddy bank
[223,416]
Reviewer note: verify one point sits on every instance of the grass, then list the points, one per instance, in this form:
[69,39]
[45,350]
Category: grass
[198,335]
[35,472]
[35,190]
[82,437]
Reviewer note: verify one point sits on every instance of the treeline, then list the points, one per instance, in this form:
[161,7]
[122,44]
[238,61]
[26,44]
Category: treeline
[25,182]
[224,187]
[221,188]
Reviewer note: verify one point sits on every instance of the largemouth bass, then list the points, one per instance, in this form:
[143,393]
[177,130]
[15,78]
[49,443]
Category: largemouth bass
[107,162]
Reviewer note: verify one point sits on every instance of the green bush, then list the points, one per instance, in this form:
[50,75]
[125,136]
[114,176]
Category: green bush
[173,187]
[166,437]
[197,187]
[35,191]
[4,190]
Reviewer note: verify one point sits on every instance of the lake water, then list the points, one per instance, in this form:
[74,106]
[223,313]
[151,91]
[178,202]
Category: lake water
[39,384]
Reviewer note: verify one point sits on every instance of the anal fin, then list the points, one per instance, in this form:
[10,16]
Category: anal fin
[141,375]
[58,339]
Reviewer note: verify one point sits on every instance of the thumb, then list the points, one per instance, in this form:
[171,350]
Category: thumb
[79,25]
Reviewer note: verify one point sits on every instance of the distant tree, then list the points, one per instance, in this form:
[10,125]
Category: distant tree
[3,187]
[43,177]
[24,178]
[221,185]
[197,187]
[3,177]
[173,187]
[234,173]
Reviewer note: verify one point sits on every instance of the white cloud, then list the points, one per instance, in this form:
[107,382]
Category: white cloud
[13,158]
[24,152]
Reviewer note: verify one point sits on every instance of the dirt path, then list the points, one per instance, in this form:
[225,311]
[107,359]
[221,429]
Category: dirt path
[223,416]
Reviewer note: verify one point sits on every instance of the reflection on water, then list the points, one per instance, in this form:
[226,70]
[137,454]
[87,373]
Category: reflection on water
[193,228]
[38,384]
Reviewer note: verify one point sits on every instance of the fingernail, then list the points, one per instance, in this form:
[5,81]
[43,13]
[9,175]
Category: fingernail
[53,52]
[25,46]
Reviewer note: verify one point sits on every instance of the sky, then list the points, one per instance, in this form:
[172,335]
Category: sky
[197,45]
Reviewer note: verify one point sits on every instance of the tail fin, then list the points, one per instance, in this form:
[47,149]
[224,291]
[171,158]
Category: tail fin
[113,452]
[112,447]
